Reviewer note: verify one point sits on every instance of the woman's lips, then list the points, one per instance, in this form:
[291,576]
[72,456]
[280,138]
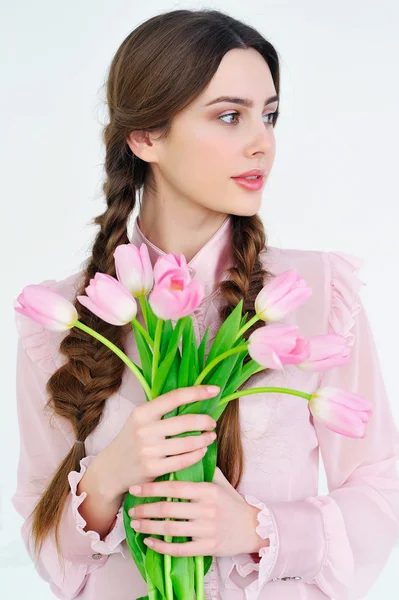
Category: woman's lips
[249,184]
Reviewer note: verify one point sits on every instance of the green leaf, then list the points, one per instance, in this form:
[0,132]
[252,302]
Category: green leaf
[247,371]
[162,373]
[194,353]
[209,462]
[244,320]
[182,574]
[234,378]
[194,472]
[144,352]
[132,543]
[171,346]
[185,363]
[176,333]
[171,379]
[207,563]
[201,350]
[152,319]
[154,564]
[167,331]
[188,370]
[218,376]
[224,339]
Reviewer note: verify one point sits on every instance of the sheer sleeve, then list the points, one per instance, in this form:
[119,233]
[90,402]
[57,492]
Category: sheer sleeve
[339,542]
[44,443]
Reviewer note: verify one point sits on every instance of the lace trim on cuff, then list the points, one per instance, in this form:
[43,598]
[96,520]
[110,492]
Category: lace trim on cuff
[244,564]
[112,541]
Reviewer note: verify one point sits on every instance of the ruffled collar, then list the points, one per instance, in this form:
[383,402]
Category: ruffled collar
[210,262]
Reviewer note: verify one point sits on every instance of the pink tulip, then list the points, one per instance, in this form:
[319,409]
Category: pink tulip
[326,351]
[169,262]
[175,297]
[272,346]
[134,269]
[46,307]
[341,411]
[282,295]
[109,300]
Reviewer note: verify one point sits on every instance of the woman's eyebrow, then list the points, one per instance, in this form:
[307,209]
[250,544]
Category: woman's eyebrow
[242,101]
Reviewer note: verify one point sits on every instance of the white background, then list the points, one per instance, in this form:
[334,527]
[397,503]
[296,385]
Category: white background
[334,184]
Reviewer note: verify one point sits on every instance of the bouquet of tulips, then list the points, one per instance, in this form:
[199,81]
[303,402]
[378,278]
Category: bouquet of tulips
[173,297]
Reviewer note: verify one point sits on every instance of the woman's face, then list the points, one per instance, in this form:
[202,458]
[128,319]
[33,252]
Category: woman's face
[208,145]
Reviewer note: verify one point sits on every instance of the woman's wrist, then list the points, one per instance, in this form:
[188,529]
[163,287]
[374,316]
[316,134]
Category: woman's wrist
[101,505]
[257,541]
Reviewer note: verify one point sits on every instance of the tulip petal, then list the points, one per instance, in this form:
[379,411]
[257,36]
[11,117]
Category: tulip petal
[281,295]
[46,307]
[133,268]
[95,309]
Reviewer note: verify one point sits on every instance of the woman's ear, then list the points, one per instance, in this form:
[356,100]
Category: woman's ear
[141,145]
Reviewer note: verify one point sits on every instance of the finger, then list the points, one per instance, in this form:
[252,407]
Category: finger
[158,407]
[181,461]
[197,548]
[182,423]
[169,528]
[220,479]
[186,490]
[165,510]
[175,446]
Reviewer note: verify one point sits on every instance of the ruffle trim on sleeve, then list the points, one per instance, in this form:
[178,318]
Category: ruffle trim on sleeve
[35,339]
[345,288]
[244,564]
[112,542]
[337,571]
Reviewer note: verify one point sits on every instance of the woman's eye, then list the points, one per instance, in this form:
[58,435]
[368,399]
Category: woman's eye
[272,117]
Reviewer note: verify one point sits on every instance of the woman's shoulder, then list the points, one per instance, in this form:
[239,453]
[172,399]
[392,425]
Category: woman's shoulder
[41,344]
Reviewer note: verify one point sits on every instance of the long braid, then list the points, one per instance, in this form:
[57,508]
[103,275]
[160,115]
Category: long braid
[246,277]
[78,389]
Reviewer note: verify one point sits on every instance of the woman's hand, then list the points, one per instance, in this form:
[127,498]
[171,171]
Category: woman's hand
[220,521]
[143,449]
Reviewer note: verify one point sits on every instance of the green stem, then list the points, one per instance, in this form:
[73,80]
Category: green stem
[199,578]
[143,332]
[143,306]
[168,558]
[157,344]
[132,366]
[151,589]
[247,326]
[261,390]
[219,358]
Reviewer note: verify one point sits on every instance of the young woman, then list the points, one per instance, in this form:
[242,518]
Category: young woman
[193,102]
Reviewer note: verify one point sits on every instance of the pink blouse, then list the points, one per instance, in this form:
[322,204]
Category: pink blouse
[321,546]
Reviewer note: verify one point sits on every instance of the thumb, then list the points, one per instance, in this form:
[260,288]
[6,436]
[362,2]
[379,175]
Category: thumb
[220,479]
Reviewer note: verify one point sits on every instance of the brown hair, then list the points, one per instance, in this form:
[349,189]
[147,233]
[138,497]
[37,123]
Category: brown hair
[160,68]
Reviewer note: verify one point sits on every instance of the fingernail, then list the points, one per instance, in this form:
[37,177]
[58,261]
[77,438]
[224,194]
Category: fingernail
[213,389]
[148,542]
[204,450]
[135,489]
